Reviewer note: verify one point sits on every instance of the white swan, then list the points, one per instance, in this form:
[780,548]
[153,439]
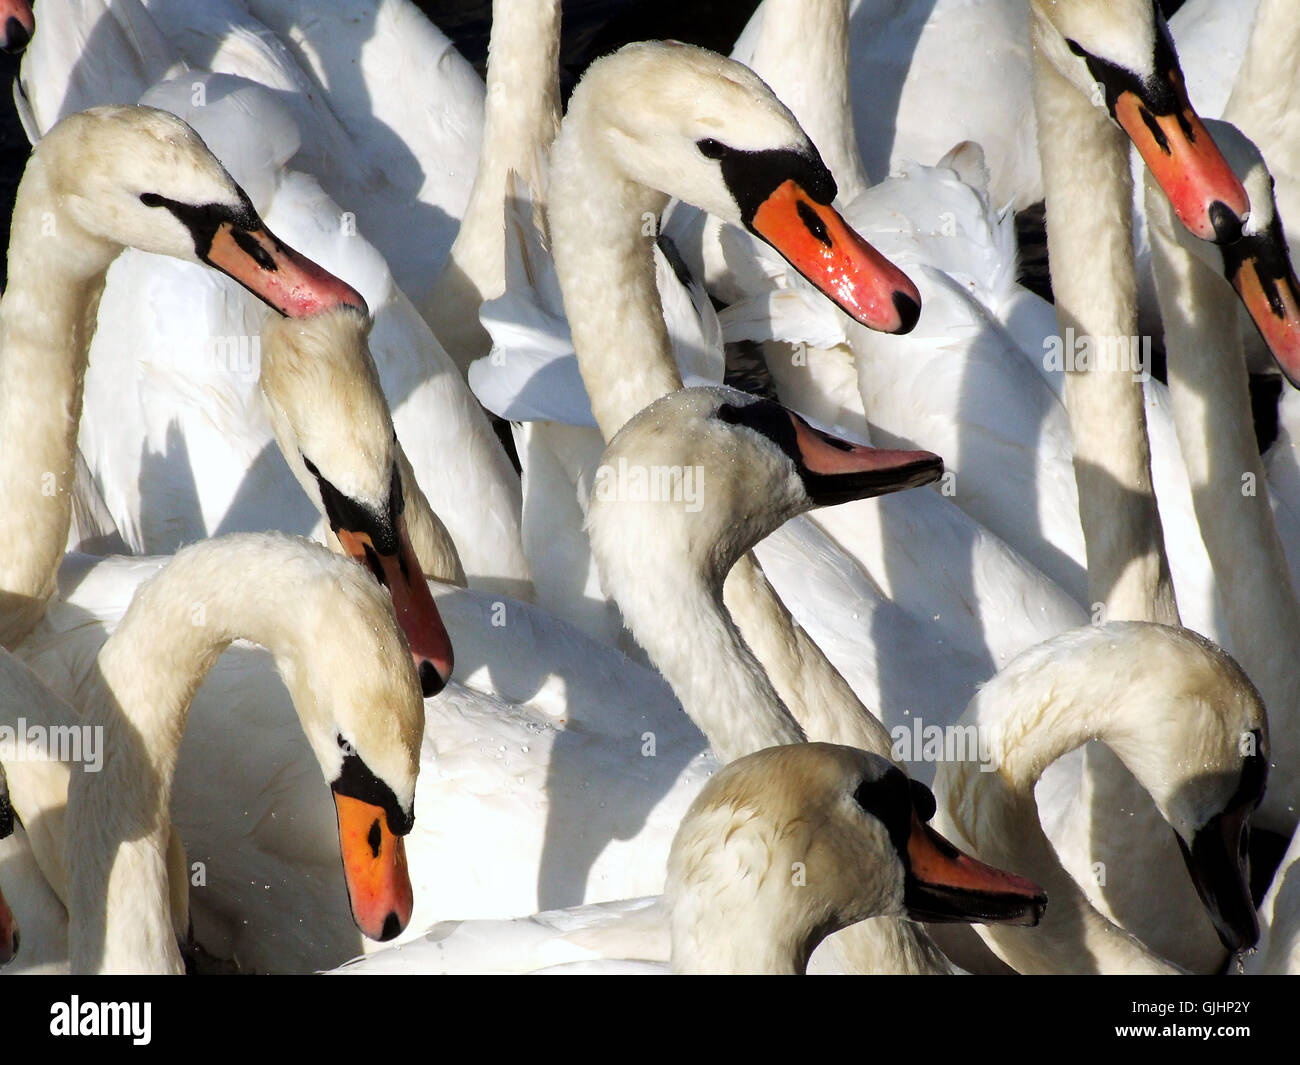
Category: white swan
[199,457]
[364,725]
[791,843]
[106,178]
[1186,721]
[402,162]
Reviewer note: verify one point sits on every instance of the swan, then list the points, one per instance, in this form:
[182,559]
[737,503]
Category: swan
[16,24]
[792,843]
[401,162]
[199,457]
[759,465]
[1186,721]
[104,179]
[364,725]
[599,327]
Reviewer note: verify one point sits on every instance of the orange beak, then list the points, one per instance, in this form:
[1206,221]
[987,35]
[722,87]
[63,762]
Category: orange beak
[17,24]
[1260,269]
[1183,158]
[8,933]
[943,884]
[276,274]
[417,614]
[818,243]
[374,866]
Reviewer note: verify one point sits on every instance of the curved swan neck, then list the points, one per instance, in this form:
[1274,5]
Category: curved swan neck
[312,610]
[603,226]
[520,120]
[47,318]
[1088,191]
[1115,683]
[803,55]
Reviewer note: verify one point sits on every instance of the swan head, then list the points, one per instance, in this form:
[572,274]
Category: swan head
[1258,265]
[140,177]
[1210,713]
[694,125]
[336,431]
[17,24]
[1120,55]
[342,658]
[802,840]
[722,469]
[363,716]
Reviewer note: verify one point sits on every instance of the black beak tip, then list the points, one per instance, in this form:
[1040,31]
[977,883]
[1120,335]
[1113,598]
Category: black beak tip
[1226,223]
[431,681]
[16,36]
[909,312]
[392,928]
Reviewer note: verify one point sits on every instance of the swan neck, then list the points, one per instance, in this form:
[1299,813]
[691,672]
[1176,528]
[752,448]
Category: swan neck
[603,227]
[1035,711]
[1089,226]
[1209,392]
[139,695]
[520,119]
[803,55]
[47,319]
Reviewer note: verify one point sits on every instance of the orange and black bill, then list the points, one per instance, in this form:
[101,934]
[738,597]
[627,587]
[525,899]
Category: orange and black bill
[944,885]
[17,24]
[825,249]
[833,470]
[235,241]
[417,614]
[1259,267]
[289,282]
[374,866]
[8,933]
[1159,119]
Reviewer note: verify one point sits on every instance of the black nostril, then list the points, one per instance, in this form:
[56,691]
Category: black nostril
[1227,226]
[909,312]
[15,941]
[431,682]
[392,928]
[16,35]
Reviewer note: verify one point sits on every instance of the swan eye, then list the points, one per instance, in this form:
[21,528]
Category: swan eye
[922,801]
[711,149]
